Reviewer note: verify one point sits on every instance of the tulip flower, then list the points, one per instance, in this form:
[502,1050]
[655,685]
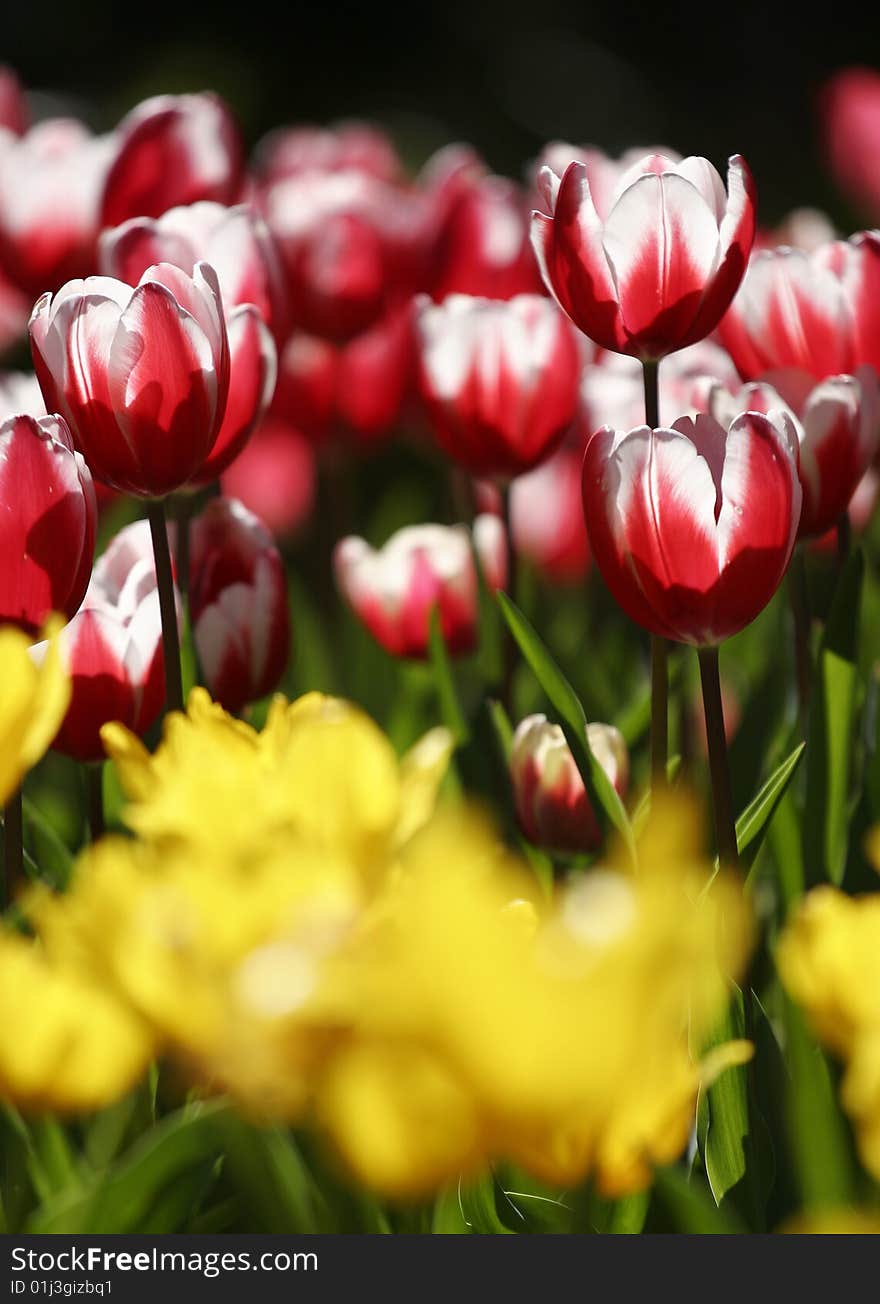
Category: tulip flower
[345,147]
[353,248]
[394,589]
[140,375]
[50,196]
[838,429]
[657,268]
[173,150]
[803,228]
[274,476]
[235,241]
[352,393]
[851,130]
[552,806]
[482,246]
[692,527]
[113,648]
[818,312]
[47,526]
[499,380]
[238,603]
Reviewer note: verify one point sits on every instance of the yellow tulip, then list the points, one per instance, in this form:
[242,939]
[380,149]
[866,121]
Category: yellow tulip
[33,699]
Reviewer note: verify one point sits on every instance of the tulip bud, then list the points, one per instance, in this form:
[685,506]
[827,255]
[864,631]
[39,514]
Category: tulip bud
[50,195]
[47,526]
[140,375]
[113,648]
[657,268]
[238,602]
[693,527]
[499,380]
[13,105]
[552,806]
[173,150]
[850,106]
[838,428]
[394,589]
[818,312]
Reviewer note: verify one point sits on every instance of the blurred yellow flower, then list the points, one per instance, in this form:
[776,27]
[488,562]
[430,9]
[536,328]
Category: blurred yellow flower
[321,772]
[33,699]
[68,1044]
[829,959]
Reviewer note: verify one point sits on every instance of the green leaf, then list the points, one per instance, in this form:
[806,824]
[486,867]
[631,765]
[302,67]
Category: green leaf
[817,1130]
[628,1215]
[479,1209]
[735,1143]
[831,729]
[503,729]
[124,1197]
[444,682]
[603,796]
[692,1210]
[48,850]
[757,815]
[280,1192]
[448,1217]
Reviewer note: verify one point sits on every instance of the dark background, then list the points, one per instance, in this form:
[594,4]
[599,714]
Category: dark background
[505,74]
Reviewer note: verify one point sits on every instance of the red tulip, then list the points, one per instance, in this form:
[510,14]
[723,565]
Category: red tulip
[235,241]
[47,525]
[838,428]
[692,527]
[274,476]
[140,375]
[803,228]
[655,271]
[851,130]
[50,195]
[238,602]
[113,648]
[482,246]
[352,393]
[818,312]
[14,113]
[546,517]
[353,247]
[173,150]
[346,147]
[552,806]
[499,380]
[608,176]
[393,591]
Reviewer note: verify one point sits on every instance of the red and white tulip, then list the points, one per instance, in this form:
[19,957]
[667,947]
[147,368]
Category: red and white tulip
[51,180]
[238,603]
[393,590]
[140,374]
[345,147]
[48,521]
[551,802]
[652,267]
[818,312]
[173,150]
[838,429]
[499,380]
[113,648]
[274,476]
[850,105]
[692,527]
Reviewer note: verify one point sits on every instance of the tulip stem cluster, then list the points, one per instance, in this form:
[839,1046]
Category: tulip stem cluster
[719,766]
[167,605]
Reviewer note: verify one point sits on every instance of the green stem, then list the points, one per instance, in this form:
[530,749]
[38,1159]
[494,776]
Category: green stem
[799,597]
[13,847]
[95,800]
[719,766]
[512,588]
[659,646]
[167,606]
